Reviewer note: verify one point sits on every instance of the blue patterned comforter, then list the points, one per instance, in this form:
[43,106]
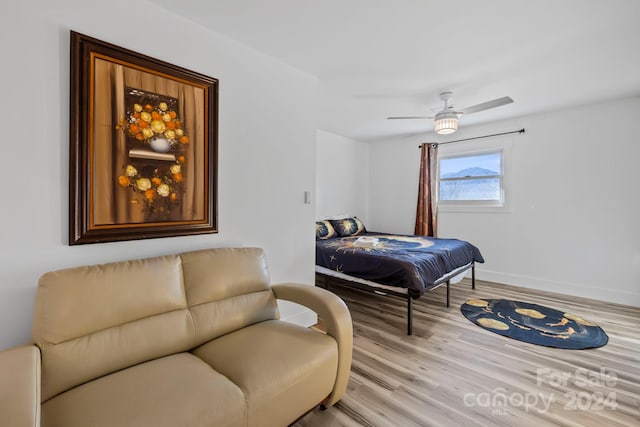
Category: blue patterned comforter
[414,262]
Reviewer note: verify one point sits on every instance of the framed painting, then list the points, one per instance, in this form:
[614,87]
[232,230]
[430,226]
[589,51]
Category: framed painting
[143,146]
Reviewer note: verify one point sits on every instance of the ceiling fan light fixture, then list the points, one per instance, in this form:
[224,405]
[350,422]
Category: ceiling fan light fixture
[446,123]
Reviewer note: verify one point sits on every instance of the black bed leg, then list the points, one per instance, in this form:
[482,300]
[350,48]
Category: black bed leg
[409,316]
[473,275]
[448,289]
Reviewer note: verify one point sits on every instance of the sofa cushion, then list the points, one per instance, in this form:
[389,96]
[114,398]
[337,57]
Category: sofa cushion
[177,390]
[227,289]
[78,301]
[282,368]
[216,274]
[94,320]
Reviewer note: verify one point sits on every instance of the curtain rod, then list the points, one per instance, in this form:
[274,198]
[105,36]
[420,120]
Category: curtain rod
[475,137]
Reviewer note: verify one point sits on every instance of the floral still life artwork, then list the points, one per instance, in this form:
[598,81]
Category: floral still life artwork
[157,153]
[143,144]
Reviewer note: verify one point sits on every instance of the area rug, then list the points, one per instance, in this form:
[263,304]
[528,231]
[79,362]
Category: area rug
[534,323]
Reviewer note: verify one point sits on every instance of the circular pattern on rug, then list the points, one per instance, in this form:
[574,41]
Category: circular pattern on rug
[534,323]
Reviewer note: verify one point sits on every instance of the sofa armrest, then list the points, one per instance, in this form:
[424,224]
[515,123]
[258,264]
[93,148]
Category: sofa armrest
[20,386]
[337,319]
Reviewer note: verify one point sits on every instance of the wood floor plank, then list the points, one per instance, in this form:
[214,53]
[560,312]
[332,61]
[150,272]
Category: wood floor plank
[451,372]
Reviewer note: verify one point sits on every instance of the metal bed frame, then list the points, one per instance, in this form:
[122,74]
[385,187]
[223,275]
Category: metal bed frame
[324,281]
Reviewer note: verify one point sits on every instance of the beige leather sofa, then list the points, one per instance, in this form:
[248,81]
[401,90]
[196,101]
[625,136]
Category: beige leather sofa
[185,340]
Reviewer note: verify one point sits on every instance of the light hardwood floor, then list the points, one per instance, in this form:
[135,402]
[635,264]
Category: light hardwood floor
[454,373]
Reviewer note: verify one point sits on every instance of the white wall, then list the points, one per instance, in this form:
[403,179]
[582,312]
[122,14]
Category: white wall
[572,226]
[266,146]
[342,176]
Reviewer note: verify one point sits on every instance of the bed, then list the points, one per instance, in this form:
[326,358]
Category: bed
[389,264]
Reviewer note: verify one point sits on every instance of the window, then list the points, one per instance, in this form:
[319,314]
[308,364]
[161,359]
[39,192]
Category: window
[472,179]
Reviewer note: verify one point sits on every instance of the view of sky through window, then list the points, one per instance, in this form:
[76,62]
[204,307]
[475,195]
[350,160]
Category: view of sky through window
[471,177]
[453,166]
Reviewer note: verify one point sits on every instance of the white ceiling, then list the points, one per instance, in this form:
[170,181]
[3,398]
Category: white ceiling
[379,58]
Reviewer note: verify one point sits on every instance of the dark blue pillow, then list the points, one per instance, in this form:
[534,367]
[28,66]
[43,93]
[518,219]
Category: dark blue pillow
[324,230]
[348,226]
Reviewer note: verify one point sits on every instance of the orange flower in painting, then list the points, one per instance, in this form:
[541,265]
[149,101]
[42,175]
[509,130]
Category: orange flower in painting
[173,197]
[184,139]
[177,123]
[143,124]
[139,136]
[155,115]
[134,128]
[136,115]
[177,177]
[170,125]
[155,180]
[149,194]
[148,107]
[173,114]
[123,181]
[181,159]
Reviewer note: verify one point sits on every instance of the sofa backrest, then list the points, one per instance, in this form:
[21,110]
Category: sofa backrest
[94,320]
[227,289]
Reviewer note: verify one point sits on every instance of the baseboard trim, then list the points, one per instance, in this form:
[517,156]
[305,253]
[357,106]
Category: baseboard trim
[568,288]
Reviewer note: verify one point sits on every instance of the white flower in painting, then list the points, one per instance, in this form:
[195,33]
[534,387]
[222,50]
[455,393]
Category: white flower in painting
[179,132]
[131,171]
[175,169]
[143,184]
[163,190]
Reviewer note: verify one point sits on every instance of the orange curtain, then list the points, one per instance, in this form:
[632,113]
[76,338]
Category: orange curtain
[427,211]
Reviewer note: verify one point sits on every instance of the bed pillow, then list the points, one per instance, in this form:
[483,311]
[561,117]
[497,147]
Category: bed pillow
[324,230]
[348,226]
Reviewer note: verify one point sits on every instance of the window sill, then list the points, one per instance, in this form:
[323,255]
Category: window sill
[493,209]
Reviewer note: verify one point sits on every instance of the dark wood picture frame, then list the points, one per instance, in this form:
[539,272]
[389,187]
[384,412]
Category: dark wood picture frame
[143,146]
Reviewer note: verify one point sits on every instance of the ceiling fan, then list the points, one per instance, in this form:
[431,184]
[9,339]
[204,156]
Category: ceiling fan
[446,121]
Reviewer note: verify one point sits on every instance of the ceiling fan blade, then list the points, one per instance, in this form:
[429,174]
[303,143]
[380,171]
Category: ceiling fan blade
[487,105]
[409,117]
